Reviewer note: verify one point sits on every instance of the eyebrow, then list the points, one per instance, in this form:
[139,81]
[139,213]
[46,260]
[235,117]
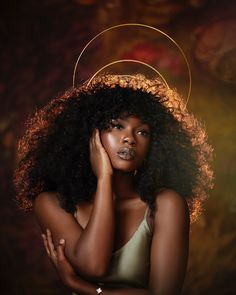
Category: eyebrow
[126,119]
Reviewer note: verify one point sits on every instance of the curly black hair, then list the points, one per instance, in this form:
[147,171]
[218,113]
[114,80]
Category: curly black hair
[53,155]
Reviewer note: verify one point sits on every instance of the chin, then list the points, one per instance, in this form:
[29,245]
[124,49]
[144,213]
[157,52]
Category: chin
[126,167]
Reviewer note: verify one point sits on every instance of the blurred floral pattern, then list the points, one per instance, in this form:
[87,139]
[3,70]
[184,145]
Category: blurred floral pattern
[216,49]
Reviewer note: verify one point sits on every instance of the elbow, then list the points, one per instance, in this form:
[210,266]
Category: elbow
[91,269]
[92,264]
[98,272]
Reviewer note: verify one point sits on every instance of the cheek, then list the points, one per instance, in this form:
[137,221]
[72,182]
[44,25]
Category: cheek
[109,142]
[145,149]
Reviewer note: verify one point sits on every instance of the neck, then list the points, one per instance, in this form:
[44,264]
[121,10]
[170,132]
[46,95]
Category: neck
[122,185]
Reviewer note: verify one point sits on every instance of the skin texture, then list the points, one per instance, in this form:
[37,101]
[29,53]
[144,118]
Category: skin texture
[65,167]
[101,222]
[167,267]
[129,132]
[80,248]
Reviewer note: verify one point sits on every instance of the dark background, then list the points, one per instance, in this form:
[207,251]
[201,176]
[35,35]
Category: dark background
[40,41]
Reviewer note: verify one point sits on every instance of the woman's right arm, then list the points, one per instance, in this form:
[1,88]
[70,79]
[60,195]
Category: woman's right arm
[89,250]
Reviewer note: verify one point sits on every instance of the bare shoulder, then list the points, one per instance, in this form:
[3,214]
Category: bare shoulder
[46,199]
[171,207]
[170,199]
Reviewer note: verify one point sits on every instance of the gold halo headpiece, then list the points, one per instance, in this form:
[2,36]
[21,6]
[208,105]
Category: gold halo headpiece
[134,60]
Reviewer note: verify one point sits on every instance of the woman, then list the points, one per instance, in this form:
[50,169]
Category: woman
[113,171]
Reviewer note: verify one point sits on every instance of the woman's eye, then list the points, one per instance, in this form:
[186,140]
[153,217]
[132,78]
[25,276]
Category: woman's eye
[144,132]
[116,125]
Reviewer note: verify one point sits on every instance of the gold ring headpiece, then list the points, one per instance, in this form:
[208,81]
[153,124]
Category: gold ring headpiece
[133,60]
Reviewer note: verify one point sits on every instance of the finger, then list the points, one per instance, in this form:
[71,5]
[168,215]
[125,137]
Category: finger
[61,250]
[97,137]
[50,243]
[92,138]
[91,146]
[45,242]
[98,140]
[63,264]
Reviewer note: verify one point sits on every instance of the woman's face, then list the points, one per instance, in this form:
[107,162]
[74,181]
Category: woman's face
[127,143]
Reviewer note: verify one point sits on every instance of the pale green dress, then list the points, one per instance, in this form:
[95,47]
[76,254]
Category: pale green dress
[130,265]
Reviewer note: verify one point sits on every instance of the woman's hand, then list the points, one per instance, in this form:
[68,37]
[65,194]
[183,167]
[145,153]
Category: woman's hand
[70,278]
[58,259]
[65,270]
[99,159]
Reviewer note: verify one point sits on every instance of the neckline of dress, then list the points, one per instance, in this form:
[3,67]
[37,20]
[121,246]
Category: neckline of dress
[133,235]
[131,238]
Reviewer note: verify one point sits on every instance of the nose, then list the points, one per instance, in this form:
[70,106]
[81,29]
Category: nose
[129,139]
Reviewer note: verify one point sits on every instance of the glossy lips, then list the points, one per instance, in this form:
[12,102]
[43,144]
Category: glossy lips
[126,153]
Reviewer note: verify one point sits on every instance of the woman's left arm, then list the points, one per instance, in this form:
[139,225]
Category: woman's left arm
[72,281]
[170,243]
[169,253]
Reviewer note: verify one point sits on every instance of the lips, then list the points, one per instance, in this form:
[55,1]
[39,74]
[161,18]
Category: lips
[126,153]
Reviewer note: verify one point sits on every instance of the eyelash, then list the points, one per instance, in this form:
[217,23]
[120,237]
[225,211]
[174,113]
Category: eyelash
[145,133]
[114,125]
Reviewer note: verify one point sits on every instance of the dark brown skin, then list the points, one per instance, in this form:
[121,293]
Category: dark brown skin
[109,221]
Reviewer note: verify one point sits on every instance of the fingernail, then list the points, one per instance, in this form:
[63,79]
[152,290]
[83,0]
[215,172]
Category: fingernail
[62,241]
[43,236]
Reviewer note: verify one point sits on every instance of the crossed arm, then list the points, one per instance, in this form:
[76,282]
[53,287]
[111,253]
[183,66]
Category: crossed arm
[83,245]
[88,251]
[169,253]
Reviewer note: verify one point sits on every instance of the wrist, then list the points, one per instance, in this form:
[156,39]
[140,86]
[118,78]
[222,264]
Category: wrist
[83,288]
[104,178]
